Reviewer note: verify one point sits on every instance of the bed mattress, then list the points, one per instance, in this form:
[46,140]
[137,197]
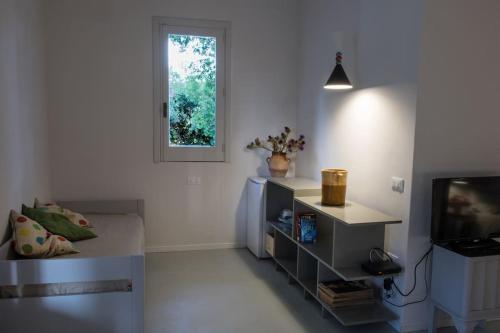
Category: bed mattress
[117,235]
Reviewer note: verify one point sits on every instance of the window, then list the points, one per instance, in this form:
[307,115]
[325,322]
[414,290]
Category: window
[191,75]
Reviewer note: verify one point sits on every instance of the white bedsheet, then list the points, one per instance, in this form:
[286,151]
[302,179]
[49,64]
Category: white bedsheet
[117,235]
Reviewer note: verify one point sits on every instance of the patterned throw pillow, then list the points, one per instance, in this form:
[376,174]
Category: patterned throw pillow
[58,224]
[30,239]
[74,217]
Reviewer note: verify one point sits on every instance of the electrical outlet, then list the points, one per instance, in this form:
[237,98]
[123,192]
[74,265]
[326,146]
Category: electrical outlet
[398,184]
[194,180]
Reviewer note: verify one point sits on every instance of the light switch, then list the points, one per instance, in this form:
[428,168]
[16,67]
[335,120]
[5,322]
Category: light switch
[398,184]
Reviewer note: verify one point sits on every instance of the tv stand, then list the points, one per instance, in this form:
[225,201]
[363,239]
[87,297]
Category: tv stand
[465,287]
[475,248]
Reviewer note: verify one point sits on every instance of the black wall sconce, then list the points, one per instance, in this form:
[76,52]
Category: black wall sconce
[338,80]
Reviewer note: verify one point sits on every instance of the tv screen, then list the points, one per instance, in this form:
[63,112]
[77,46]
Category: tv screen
[465,208]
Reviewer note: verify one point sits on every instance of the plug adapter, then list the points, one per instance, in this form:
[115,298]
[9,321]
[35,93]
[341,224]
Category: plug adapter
[388,284]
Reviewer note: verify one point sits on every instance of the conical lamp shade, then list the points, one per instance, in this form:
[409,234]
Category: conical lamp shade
[338,79]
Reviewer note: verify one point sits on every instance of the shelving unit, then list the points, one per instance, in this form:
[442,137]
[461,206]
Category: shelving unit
[345,237]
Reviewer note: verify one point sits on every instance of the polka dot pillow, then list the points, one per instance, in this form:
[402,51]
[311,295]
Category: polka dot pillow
[30,239]
[75,218]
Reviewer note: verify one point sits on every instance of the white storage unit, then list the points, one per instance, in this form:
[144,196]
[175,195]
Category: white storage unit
[255,216]
[467,288]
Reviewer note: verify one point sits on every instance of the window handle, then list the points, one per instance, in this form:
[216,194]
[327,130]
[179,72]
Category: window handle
[164,109]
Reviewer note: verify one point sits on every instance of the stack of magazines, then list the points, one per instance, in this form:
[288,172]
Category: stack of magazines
[340,293]
[305,228]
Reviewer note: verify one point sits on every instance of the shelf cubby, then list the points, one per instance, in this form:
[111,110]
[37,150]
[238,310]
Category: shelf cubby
[281,228]
[280,193]
[352,247]
[325,274]
[307,271]
[285,253]
[352,315]
[277,199]
[322,249]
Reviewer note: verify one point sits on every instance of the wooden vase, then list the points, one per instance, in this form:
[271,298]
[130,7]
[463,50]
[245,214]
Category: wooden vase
[278,164]
[333,187]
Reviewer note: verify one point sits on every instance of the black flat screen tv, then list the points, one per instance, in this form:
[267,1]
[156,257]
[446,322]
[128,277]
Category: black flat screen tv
[465,209]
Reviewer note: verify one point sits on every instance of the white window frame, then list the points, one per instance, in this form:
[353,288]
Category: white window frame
[162,26]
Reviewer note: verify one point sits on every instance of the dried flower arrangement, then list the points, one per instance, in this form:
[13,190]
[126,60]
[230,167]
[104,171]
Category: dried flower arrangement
[279,144]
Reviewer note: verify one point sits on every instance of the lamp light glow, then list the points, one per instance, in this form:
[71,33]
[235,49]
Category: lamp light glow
[338,80]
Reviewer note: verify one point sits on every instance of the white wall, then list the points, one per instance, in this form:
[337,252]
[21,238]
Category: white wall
[369,130]
[24,170]
[457,128]
[101,112]
[99,58]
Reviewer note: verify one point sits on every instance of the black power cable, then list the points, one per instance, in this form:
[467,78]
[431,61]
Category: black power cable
[414,275]
[424,257]
[414,302]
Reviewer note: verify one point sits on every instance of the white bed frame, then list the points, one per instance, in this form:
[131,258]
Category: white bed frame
[120,312]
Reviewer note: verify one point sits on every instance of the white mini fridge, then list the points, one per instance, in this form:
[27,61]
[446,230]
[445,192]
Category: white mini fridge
[256,228]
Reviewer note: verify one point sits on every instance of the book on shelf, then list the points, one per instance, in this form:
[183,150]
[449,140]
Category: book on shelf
[340,291]
[305,228]
[341,288]
[338,303]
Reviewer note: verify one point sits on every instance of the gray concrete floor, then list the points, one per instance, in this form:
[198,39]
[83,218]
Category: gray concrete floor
[230,291]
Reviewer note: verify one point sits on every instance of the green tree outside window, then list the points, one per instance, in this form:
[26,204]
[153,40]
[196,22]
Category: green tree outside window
[192,90]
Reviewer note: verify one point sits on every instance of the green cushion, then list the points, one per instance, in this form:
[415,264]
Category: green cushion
[58,224]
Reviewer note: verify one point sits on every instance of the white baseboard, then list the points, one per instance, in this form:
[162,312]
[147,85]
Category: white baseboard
[192,247]
[422,326]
